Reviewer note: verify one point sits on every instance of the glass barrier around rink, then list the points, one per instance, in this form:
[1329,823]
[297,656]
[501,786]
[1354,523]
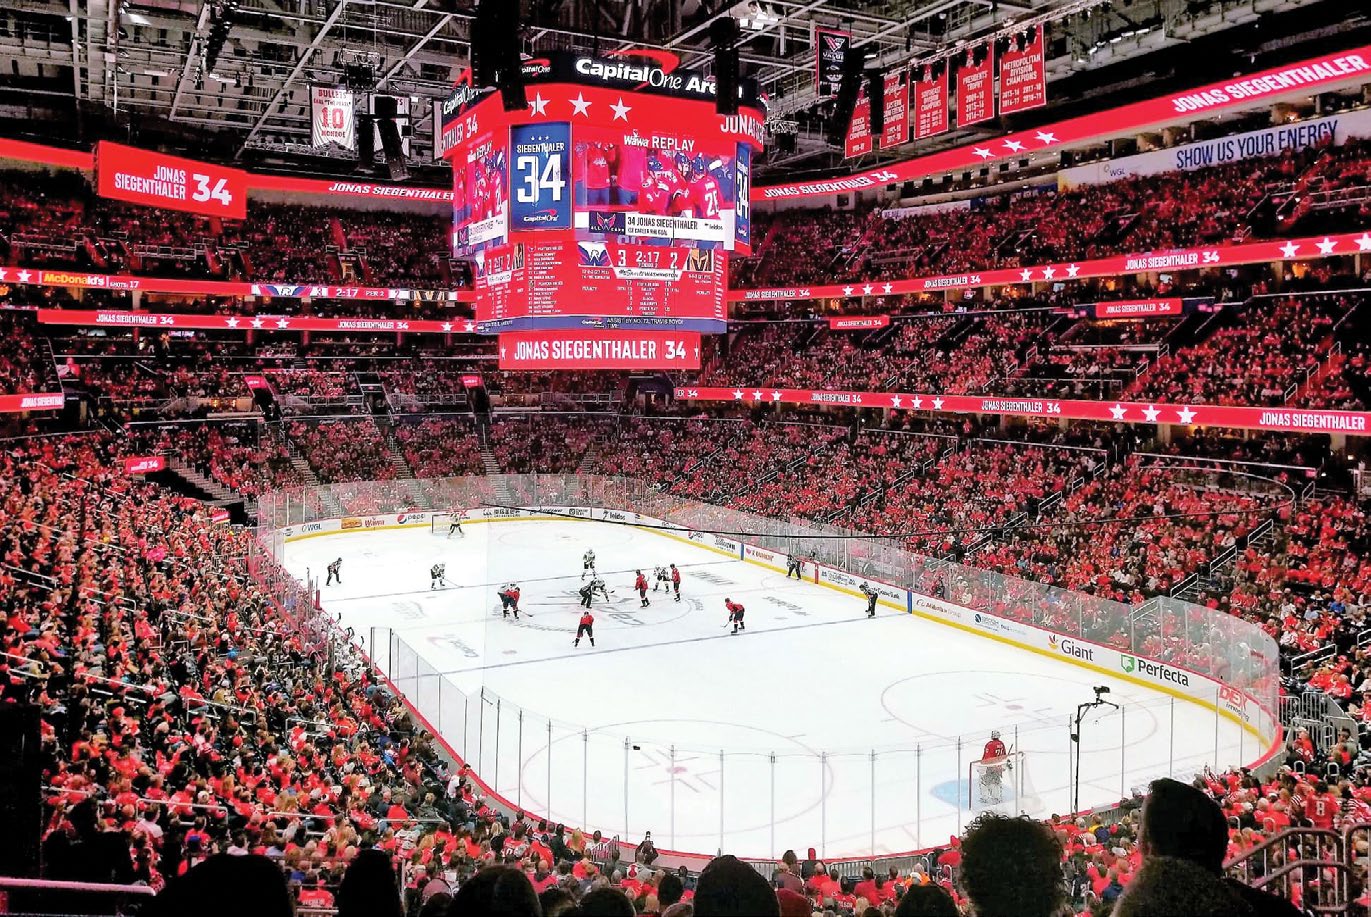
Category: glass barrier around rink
[844,801]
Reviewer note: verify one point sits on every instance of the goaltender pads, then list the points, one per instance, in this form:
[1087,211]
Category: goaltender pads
[1002,785]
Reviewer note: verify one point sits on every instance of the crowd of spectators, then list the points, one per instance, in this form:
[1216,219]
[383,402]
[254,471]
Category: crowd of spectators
[440,446]
[343,450]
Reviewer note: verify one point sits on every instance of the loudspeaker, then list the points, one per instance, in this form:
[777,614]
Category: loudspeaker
[723,35]
[495,59]
[392,147]
[846,100]
[384,107]
[21,790]
[875,93]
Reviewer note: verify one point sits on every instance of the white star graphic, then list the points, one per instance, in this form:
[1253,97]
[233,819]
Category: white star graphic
[3,271]
[257,323]
[1151,413]
[1026,274]
[757,396]
[775,396]
[887,287]
[1186,415]
[937,404]
[918,401]
[469,327]
[1363,242]
[1289,249]
[867,289]
[1046,137]
[1326,246]
[1118,411]
[1072,270]
[232,323]
[447,326]
[580,105]
[847,291]
[1049,273]
[24,276]
[737,395]
[282,323]
[503,351]
[982,152]
[1013,146]
[895,401]
[537,105]
[621,110]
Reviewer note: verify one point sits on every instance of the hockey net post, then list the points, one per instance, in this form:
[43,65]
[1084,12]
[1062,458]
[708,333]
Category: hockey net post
[1001,785]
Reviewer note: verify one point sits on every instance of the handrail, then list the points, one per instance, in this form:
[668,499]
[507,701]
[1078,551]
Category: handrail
[92,888]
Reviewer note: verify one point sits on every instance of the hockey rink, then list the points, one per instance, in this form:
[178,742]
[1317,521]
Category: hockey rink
[816,727]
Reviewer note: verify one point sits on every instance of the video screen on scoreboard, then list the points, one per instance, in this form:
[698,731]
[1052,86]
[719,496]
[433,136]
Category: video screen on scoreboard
[480,200]
[656,189]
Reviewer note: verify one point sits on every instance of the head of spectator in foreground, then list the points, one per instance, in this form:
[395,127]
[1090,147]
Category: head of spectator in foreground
[368,888]
[1181,821]
[926,901]
[728,887]
[669,890]
[1011,867]
[227,886]
[606,902]
[496,891]
[1167,886]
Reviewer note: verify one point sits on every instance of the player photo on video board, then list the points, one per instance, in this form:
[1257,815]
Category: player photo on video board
[480,208]
[654,189]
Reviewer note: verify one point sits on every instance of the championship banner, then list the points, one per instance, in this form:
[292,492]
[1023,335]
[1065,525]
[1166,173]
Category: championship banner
[930,101]
[976,85]
[1023,73]
[144,464]
[1204,415]
[859,140]
[1305,249]
[110,318]
[540,173]
[332,117]
[1138,308]
[895,130]
[16,404]
[594,349]
[154,179]
[830,50]
[1309,77]
[857,322]
[124,282]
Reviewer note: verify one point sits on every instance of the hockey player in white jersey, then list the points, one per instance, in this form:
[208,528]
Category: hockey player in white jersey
[588,564]
[661,579]
[437,576]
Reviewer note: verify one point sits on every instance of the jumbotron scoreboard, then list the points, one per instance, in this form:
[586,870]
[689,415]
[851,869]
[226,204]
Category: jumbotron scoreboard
[600,217]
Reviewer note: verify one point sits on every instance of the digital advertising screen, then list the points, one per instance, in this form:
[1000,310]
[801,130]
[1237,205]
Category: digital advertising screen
[480,209]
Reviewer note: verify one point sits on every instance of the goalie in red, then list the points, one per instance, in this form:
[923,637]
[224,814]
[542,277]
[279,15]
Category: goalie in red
[995,758]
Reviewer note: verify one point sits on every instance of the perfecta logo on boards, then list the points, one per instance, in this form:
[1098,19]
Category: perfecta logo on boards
[1069,647]
[1157,670]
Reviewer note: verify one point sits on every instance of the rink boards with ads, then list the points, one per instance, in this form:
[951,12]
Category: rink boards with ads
[1228,701]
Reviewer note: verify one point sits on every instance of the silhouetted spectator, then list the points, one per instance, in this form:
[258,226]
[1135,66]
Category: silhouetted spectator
[369,888]
[1167,887]
[1011,867]
[497,891]
[227,886]
[728,887]
[606,902]
[926,901]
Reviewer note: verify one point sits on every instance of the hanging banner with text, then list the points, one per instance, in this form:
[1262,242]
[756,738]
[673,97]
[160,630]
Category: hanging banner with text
[592,349]
[144,464]
[859,140]
[976,85]
[930,101]
[155,179]
[895,131]
[111,318]
[857,322]
[1138,308]
[830,49]
[127,283]
[31,401]
[332,117]
[1023,73]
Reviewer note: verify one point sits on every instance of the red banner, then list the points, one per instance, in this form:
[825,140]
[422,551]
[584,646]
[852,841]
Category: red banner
[255,382]
[930,101]
[110,318]
[15,404]
[589,349]
[1023,73]
[895,129]
[219,515]
[1138,308]
[337,188]
[1299,421]
[1305,78]
[471,381]
[976,85]
[859,139]
[1305,249]
[144,464]
[61,278]
[157,180]
[857,322]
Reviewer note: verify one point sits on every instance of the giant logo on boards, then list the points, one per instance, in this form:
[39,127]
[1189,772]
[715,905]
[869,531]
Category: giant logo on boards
[1158,671]
[1068,647]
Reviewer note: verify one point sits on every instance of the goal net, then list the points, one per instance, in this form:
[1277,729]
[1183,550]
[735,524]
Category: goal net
[1002,785]
[441,523]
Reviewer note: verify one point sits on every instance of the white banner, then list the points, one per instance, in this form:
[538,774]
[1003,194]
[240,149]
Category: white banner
[333,117]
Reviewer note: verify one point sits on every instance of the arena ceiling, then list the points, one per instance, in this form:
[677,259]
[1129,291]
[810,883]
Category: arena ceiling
[235,74]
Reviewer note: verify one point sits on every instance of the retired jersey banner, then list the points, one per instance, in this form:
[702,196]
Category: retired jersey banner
[1138,308]
[895,131]
[155,179]
[540,176]
[859,140]
[1023,73]
[830,50]
[595,349]
[976,85]
[857,322]
[332,117]
[930,101]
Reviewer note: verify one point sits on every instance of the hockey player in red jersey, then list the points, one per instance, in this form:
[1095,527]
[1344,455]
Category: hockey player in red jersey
[992,773]
[704,194]
[676,582]
[735,614]
[641,585]
[994,748]
[509,601]
[585,629]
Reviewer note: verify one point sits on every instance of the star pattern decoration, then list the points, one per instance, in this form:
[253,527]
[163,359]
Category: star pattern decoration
[1013,146]
[886,288]
[1151,413]
[1072,270]
[1326,246]
[282,323]
[620,110]
[983,152]
[775,396]
[1026,274]
[1046,136]
[1118,411]
[232,323]
[538,105]
[257,323]
[937,404]
[580,106]
[757,396]
[866,290]
[1049,273]
[895,401]
[447,326]
[737,395]
[24,276]
[1363,242]
[1186,415]
[1289,249]
[847,291]
[918,401]
[4,272]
